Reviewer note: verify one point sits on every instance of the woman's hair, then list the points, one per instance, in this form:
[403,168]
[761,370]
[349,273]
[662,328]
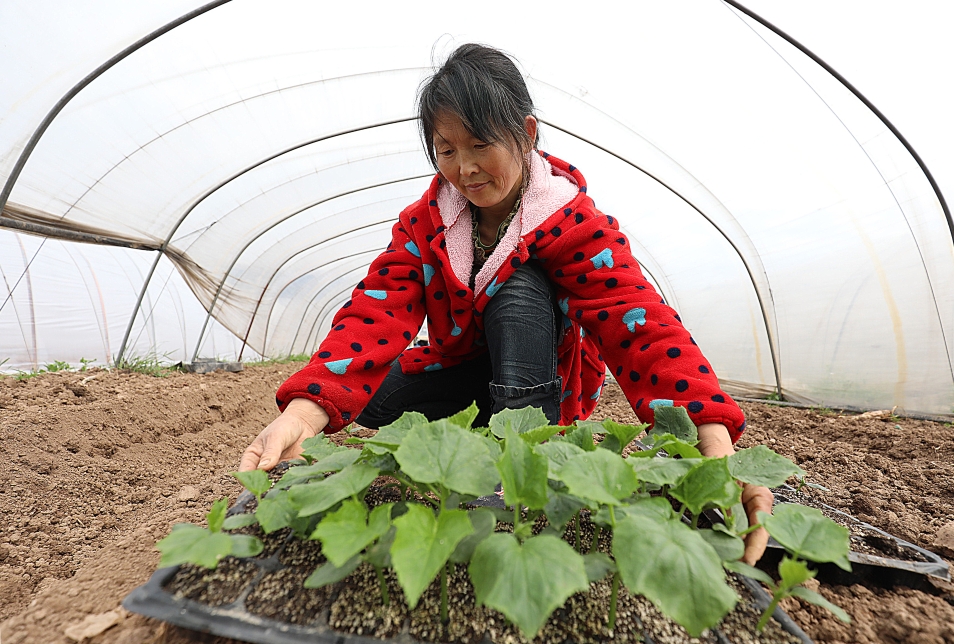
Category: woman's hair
[484,89]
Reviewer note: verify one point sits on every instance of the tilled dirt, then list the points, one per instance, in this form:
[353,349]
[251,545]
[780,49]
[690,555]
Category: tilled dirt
[99,465]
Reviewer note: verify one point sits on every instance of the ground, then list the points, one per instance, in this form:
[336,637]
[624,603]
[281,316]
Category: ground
[98,465]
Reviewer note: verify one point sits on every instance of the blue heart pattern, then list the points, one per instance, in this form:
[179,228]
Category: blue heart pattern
[633,317]
[378,295]
[428,274]
[660,402]
[493,287]
[412,249]
[338,367]
[603,258]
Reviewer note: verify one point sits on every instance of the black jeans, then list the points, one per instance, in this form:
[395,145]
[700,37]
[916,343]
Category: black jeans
[522,324]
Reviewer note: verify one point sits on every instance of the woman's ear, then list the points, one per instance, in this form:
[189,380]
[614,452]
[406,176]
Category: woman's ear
[530,125]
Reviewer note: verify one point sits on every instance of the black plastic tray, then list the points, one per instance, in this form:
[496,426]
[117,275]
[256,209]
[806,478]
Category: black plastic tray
[232,620]
[884,571]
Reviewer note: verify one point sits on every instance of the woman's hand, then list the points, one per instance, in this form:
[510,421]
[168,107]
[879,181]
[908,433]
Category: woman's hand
[282,439]
[714,441]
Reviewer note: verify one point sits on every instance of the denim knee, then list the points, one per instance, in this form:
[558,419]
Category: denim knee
[546,396]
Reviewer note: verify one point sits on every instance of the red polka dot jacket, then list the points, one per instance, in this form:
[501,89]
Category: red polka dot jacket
[612,316]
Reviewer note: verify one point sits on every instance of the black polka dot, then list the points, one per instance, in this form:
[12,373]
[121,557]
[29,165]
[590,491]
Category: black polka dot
[346,416]
[645,347]
[417,360]
[691,340]
[597,234]
[621,241]
[429,238]
[368,321]
[314,389]
[639,403]
[634,376]
[677,317]
[384,271]
[695,406]
[426,351]
[581,279]
[602,316]
[367,389]
[407,335]
[340,327]
[440,229]
[582,188]
[540,235]
[389,314]
[558,272]
[625,344]
[556,232]
[346,388]
[579,218]
[578,256]
[567,211]
[703,369]
[571,168]
[654,379]
[355,346]
[719,398]
[673,352]
[459,311]
[578,314]
[611,282]
[361,284]
[369,364]
[324,354]
[439,342]
[346,304]
[412,274]
[382,341]
[410,307]
[515,262]
[461,293]
[682,385]
[610,220]
[278,401]
[438,295]
[619,370]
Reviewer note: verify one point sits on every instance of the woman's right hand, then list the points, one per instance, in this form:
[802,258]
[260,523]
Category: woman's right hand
[282,439]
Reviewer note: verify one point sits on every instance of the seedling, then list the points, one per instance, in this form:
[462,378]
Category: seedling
[442,465]
[205,547]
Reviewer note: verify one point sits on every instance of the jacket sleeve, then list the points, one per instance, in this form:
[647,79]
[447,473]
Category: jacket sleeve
[368,333]
[655,360]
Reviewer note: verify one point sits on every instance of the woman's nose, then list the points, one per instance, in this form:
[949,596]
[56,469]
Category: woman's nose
[468,164]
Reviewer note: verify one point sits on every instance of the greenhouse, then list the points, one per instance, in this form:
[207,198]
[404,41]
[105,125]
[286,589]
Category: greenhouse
[211,181]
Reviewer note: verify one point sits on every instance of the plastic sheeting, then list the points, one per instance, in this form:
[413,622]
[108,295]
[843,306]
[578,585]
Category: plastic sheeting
[263,151]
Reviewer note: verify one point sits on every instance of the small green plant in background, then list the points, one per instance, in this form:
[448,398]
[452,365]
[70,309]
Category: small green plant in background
[439,467]
[150,365]
[205,547]
[86,362]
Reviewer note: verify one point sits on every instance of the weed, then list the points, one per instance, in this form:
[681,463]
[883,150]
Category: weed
[293,357]
[57,365]
[775,395]
[86,362]
[149,365]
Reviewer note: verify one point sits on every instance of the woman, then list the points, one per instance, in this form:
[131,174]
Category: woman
[528,290]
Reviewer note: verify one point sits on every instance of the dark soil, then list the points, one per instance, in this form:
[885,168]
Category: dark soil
[91,480]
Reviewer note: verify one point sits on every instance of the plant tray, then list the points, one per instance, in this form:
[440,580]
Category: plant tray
[884,571]
[234,620]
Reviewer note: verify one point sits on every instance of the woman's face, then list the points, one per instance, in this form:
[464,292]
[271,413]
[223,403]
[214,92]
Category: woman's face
[489,175]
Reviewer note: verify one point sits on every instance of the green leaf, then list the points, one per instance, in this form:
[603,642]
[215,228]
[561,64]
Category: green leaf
[794,572]
[729,546]
[558,453]
[390,437]
[244,545]
[275,513]
[188,543]
[814,598]
[255,481]
[524,473]
[328,573]
[657,508]
[561,507]
[599,476]
[347,531]
[312,498]
[707,485]
[751,572]
[675,421]
[237,521]
[674,446]
[737,521]
[493,447]
[582,437]
[519,420]
[443,453]
[484,522]
[761,466]
[317,447]
[622,434]
[216,516]
[334,462]
[465,418]
[672,566]
[611,443]
[540,434]
[526,582]
[423,544]
[662,471]
[808,534]
[598,566]
[379,555]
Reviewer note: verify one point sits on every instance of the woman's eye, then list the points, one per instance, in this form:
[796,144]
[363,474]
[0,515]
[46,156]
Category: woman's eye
[445,153]
[481,146]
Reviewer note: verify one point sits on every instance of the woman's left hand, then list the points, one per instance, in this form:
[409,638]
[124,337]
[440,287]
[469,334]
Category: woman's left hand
[714,441]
